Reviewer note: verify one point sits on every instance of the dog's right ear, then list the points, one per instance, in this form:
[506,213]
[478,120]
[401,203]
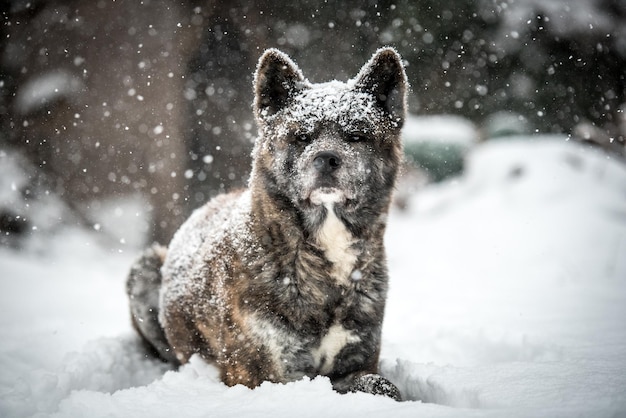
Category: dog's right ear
[276,80]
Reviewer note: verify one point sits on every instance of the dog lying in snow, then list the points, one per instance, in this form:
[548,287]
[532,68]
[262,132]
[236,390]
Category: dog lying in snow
[288,278]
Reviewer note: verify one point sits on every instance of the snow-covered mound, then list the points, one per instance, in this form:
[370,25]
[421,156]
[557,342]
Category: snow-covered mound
[511,283]
[43,90]
[26,205]
[446,129]
[508,296]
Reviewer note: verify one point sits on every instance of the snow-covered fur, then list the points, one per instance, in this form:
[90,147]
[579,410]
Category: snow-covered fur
[288,278]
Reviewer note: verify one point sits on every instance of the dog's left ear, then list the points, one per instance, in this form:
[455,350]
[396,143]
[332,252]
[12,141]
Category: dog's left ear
[276,80]
[383,76]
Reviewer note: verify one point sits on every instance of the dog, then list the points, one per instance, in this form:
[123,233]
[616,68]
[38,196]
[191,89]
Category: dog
[288,278]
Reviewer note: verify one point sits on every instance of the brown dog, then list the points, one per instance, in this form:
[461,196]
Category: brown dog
[288,278]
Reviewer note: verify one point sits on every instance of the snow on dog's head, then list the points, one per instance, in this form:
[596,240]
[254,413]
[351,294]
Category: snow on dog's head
[337,136]
[378,92]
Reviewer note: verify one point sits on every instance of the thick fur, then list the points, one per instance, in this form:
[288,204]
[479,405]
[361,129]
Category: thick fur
[288,278]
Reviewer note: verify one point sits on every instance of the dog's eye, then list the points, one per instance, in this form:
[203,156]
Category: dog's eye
[303,138]
[356,137]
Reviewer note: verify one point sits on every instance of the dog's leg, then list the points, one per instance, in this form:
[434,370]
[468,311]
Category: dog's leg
[371,383]
[143,285]
[375,384]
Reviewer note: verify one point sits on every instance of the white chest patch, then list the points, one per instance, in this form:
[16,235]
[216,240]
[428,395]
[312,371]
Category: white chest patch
[337,242]
[333,342]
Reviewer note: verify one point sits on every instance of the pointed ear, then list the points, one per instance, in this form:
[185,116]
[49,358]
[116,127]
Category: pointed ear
[276,80]
[384,77]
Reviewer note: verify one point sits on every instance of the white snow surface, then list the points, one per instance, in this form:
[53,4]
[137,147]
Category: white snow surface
[507,298]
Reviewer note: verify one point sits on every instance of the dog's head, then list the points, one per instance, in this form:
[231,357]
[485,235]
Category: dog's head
[332,143]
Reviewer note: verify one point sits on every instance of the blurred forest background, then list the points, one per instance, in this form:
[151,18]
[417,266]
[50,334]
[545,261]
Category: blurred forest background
[104,98]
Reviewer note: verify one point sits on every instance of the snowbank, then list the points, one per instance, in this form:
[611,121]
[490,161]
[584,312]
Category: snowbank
[446,129]
[507,298]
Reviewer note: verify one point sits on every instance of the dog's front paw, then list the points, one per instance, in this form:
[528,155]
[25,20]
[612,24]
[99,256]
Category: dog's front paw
[375,384]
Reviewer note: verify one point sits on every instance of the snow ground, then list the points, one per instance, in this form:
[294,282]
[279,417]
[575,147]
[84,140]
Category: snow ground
[508,297]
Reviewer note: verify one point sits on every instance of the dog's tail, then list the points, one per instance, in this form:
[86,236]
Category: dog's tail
[143,286]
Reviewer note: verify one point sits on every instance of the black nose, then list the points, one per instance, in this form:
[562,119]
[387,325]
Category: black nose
[326,162]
